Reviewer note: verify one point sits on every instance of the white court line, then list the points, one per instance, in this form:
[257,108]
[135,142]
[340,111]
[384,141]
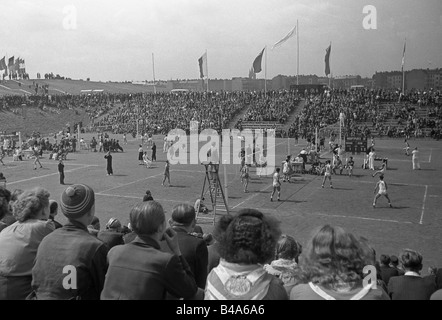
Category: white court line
[72,164]
[24,91]
[423,205]
[362,218]
[431,153]
[138,198]
[128,184]
[45,176]
[250,198]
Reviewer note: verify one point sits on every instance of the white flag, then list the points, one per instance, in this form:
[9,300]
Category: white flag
[288,36]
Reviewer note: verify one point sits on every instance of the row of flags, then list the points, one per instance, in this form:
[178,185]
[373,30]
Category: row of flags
[13,66]
[257,63]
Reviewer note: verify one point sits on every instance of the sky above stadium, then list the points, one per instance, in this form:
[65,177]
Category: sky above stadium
[114,40]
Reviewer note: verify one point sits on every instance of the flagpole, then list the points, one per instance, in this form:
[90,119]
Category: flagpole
[153,68]
[330,75]
[265,75]
[207,69]
[403,72]
[297,36]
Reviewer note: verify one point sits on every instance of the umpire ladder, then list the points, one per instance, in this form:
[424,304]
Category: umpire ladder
[212,186]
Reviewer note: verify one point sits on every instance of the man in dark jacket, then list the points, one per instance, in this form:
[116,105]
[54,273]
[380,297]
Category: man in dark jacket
[154,152]
[193,247]
[140,270]
[61,171]
[112,236]
[387,272]
[71,264]
[411,286]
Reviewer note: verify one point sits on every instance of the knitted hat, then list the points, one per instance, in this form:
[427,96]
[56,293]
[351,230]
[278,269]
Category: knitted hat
[77,200]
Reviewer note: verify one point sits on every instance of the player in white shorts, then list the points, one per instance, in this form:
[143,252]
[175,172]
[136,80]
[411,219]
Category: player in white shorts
[328,173]
[382,186]
[276,184]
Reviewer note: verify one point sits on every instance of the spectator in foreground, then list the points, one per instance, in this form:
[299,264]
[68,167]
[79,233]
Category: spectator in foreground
[192,245]
[246,242]
[411,286]
[71,245]
[140,270]
[19,243]
[9,218]
[394,263]
[94,227]
[5,198]
[53,212]
[285,265]
[112,236]
[148,196]
[333,268]
[437,296]
[387,272]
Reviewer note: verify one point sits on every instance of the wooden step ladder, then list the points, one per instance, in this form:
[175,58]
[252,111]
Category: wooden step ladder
[212,186]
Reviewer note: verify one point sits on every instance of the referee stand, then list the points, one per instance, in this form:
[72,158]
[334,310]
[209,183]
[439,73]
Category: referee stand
[212,186]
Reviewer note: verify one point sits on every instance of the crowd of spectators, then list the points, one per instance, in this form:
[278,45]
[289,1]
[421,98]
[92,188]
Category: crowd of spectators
[367,110]
[248,257]
[159,113]
[272,106]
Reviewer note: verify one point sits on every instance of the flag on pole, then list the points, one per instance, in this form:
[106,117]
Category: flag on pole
[3,65]
[203,66]
[327,61]
[403,55]
[257,63]
[288,36]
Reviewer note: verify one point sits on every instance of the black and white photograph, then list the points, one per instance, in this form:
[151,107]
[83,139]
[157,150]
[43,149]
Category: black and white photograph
[220,154]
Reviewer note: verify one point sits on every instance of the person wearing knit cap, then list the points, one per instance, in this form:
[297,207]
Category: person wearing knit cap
[71,245]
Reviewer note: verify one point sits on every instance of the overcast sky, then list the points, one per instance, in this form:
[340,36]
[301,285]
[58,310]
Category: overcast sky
[114,40]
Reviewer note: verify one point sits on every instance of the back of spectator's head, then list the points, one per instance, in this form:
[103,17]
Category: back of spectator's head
[432,270]
[5,197]
[32,204]
[148,196]
[95,223]
[384,260]
[288,248]
[15,194]
[411,260]
[335,255]
[183,215]
[113,224]
[394,261]
[147,217]
[53,208]
[249,237]
[78,201]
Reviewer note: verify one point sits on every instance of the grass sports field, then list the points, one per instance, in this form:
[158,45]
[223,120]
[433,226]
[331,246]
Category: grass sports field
[414,222]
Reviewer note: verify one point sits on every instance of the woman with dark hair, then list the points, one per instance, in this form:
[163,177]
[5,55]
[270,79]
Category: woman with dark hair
[19,243]
[245,243]
[333,268]
[140,270]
